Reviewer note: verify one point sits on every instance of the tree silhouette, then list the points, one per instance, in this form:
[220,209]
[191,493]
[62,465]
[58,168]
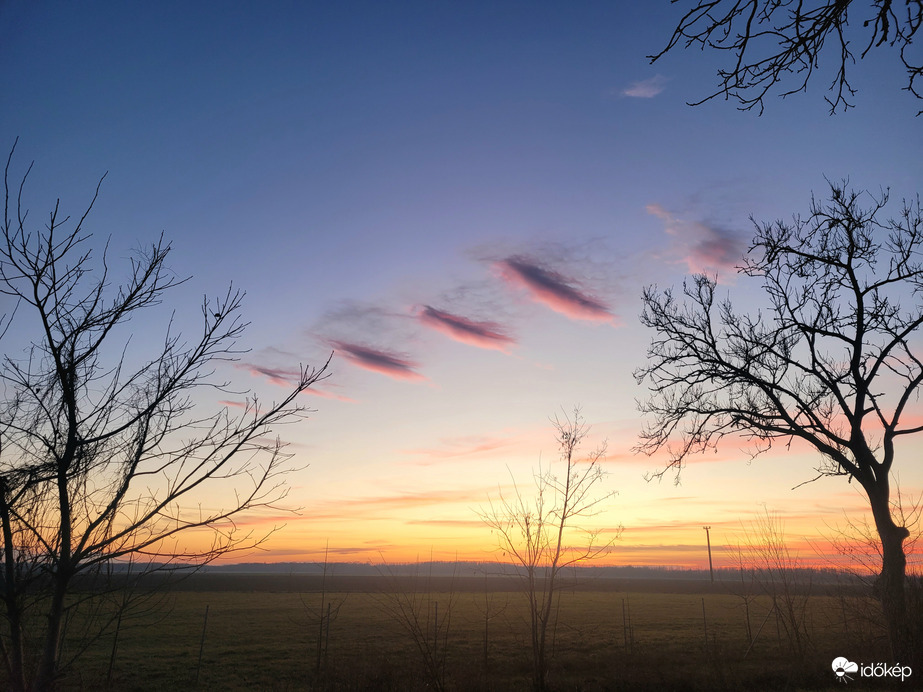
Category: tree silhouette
[830,360]
[532,530]
[776,42]
[104,457]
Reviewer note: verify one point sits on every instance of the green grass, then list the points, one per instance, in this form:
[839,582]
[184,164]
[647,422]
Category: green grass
[267,640]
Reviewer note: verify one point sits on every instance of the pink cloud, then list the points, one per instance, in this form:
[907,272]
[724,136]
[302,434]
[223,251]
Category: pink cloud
[329,395]
[704,248]
[553,290]
[481,334]
[717,249]
[379,361]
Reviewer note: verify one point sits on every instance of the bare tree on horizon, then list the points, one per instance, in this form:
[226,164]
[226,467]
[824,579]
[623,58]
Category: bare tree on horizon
[103,456]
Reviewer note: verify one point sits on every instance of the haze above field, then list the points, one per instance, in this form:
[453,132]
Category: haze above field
[462,202]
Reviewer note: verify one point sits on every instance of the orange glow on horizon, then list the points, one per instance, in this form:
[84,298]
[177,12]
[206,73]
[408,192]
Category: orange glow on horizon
[676,547]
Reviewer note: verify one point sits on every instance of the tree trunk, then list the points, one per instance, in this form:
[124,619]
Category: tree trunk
[48,664]
[889,587]
[538,653]
[541,663]
[14,656]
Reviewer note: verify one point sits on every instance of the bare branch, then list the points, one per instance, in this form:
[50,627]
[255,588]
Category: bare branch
[778,44]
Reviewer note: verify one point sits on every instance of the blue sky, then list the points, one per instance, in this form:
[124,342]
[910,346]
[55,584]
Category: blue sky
[463,200]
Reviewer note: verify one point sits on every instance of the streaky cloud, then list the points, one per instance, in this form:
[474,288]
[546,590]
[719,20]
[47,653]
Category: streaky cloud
[460,523]
[458,447]
[277,376]
[377,360]
[488,335]
[381,506]
[553,290]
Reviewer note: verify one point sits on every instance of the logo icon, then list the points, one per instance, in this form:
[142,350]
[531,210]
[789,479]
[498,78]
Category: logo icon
[842,666]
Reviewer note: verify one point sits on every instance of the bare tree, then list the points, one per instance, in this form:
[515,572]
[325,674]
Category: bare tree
[778,571]
[491,610]
[829,361]
[412,602]
[531,530]
[781,41]
[326,614]
[104,455]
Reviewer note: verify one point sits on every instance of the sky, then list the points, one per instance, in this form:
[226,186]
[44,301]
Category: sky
[462,202]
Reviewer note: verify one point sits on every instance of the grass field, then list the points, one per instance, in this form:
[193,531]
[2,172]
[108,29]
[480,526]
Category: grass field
[262,633]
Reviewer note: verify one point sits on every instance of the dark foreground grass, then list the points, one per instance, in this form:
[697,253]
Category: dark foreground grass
[603,639]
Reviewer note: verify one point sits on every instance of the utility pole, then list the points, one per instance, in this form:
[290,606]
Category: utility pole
[711,569]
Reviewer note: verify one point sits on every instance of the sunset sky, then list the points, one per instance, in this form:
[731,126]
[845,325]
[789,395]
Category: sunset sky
[462,201]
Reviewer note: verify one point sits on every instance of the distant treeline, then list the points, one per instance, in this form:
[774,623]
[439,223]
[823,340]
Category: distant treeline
[496,569]
[355,577]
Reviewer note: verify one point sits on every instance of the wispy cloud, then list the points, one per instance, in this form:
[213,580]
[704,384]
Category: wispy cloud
[398,504]
[347,327]
[277,376]
[454,447]
[676,527]
[457,523]
[553,290]
[647,88]
[324,394]
[467,331]
[703,247]
[350,317]
[378,360]
[286,377]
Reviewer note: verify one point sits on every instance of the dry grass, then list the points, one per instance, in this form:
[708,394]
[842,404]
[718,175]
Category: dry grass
[267,640]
